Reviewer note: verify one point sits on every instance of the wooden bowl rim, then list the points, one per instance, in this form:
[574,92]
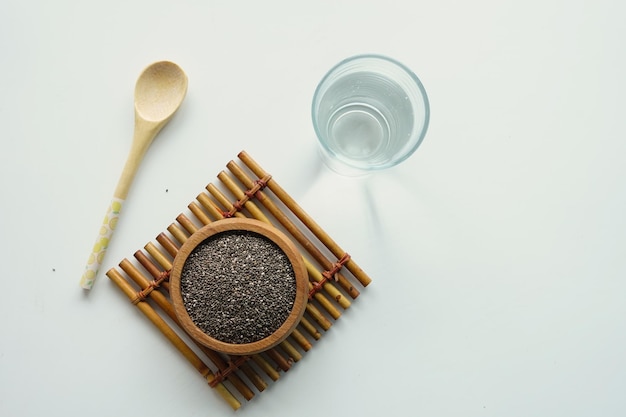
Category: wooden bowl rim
[267,231]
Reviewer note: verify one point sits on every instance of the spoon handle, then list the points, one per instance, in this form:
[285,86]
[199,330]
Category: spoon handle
[143,136]
[101,244]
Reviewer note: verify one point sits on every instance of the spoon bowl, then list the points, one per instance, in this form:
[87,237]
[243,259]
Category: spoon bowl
[159,92]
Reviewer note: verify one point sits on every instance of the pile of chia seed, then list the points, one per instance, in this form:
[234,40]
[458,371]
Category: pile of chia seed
[238,287]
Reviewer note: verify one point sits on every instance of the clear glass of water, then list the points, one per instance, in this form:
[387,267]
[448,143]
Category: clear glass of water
[369,112]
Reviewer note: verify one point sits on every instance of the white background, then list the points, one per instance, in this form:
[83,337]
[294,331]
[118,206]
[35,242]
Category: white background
[497,251]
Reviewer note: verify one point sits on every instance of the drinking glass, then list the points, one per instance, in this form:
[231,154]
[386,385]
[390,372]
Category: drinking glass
[370,112]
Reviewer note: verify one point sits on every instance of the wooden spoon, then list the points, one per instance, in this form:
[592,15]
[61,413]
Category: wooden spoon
[159,92]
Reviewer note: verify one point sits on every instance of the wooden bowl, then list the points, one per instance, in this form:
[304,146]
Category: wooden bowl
[260,229]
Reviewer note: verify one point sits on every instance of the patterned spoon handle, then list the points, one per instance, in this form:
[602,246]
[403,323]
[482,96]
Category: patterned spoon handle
[101,244]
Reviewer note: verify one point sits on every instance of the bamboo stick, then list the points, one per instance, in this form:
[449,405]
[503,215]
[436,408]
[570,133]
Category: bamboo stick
[318,316]
[310,328]
[221,198]
[305,218]
[240,196]
[158,256]
[150,267]
[199,213]
[252,375]
[210,206]
[143,283]
[301,340]
[178,233]
[290,350]
[168,308]
[232,377]
[171,335]
[280,361]
[147,264]
[334,313]
[266,367]
[187,224]
[330,289]
[168,244]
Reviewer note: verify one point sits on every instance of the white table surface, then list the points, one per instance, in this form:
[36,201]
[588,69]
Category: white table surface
[497,251]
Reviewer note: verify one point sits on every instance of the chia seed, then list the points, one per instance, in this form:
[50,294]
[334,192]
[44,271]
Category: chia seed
[238,287]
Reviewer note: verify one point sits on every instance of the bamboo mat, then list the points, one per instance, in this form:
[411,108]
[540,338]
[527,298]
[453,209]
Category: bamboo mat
[244,190]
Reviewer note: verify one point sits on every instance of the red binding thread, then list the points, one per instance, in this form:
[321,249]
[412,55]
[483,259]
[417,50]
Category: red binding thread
[222,374]
[262,182]
[228,214]
[259,185]
[328,275]
[152,285]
